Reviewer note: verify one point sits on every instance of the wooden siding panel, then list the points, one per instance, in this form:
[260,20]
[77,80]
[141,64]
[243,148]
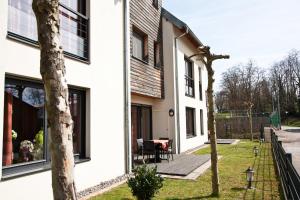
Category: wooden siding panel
[146,79]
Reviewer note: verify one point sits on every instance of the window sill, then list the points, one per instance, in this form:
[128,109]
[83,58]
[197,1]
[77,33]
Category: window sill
[143,61]
[35,44]
[191,96]
[158,67]
[190,136]
[33,168]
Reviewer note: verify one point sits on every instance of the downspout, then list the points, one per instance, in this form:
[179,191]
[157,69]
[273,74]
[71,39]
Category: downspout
[177,88]
[127,92]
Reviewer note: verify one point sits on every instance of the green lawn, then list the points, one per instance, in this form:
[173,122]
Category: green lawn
[236,159]
[292,121]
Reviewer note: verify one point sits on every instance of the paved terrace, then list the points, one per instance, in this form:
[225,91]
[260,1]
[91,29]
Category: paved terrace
[290,137]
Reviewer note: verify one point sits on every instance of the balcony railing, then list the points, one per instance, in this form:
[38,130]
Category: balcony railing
[189,86]
[74,28]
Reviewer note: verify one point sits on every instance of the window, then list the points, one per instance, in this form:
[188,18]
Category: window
[155,3]
[189,78]
[139,45]
[201,122]
[157,62]
[25,136]
[74,25]
[200,84]
[190,122]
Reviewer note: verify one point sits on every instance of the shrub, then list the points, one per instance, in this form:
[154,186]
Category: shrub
[145,183]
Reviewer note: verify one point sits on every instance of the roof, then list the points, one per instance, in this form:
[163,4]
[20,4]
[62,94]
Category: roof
[181,25]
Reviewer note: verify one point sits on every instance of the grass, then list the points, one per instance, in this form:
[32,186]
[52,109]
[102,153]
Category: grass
[235,160]
[292,121]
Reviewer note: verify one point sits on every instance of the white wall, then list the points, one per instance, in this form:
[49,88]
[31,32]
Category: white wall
[184,48]
[103,80]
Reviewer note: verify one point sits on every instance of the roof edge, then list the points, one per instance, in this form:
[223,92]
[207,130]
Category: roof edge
[180,25]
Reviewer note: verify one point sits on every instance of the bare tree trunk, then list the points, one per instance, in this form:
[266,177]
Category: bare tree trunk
[60,122]
[207,58]
[211,127]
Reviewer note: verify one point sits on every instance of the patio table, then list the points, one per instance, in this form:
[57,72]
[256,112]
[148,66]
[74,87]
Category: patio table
[160,144]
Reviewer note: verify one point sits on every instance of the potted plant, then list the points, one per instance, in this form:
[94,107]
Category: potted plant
[26,149]
[145,183]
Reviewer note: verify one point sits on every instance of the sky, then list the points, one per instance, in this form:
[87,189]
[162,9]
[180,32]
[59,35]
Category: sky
[263,30]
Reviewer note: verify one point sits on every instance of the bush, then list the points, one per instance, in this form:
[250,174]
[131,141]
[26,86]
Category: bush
[145,183]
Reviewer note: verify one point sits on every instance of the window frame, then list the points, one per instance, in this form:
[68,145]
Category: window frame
[34,43]
[189,78]
[155,3]
[200,84]
[201,122]
[143,37]
[36,166]
[193,134]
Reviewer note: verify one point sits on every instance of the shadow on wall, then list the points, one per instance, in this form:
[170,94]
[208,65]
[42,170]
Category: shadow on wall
[117,1]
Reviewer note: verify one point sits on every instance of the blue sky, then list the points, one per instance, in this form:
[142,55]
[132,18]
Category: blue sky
[263,30]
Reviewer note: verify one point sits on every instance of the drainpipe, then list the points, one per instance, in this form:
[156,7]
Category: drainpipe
[127,92]
[177,88]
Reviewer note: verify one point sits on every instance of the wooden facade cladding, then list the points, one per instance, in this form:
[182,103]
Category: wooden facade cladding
[146,78]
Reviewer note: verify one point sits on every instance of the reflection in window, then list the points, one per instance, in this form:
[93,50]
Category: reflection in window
[24,121]
[139,45]
[74,24]
[189,78]
[23,135]
[76,103]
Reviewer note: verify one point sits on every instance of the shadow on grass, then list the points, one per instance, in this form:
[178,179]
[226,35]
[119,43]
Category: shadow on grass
[264,181]
[192,198]
[237,189]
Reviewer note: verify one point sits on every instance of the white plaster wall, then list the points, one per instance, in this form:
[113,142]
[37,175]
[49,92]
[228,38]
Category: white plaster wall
[184,48]
[103,80]
[164,125]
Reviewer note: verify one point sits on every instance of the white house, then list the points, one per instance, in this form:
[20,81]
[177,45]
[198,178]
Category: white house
[126,80]
[164,80]
[185,85]
[96,73]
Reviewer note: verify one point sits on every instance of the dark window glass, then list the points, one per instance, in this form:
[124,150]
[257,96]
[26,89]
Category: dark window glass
[201,122]
[24,134]
[157,54]
[155,3]
[189,78]
[190,122]
[77,103]
[200,85]
[74,24]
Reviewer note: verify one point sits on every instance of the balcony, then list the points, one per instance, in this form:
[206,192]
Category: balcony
[74,28]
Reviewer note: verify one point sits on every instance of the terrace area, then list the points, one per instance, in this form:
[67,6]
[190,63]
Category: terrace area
[235,160]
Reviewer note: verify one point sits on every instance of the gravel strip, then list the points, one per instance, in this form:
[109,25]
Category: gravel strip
[103,185]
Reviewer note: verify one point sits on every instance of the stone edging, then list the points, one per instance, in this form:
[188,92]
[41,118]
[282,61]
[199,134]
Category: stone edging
[102,187]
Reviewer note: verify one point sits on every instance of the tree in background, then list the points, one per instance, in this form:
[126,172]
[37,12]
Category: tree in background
[269,90]
[60,124]
[244,85]
[285,82]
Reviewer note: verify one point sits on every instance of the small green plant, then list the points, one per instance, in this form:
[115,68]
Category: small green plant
[145,183]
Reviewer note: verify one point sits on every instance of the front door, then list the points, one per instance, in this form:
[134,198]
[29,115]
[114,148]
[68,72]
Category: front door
[141,124]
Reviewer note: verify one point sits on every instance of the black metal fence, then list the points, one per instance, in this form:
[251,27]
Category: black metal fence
[289,178]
